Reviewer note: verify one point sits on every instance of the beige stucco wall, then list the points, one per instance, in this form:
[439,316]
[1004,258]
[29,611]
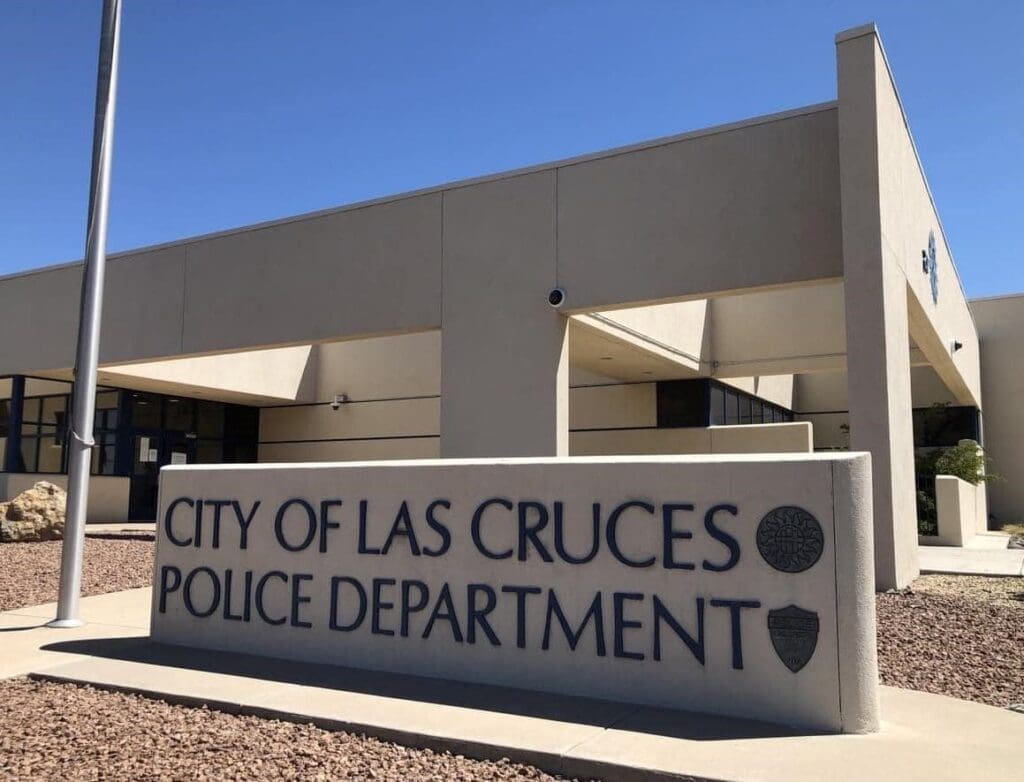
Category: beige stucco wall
[249,377]
[1001,326]
[108,494]
[35,386]
[351,451]
[406,365]
[822,399]
[681,330]
[620,406]
[887,216]
[961,511]
[504,350]
[783,331]
[651,220]
[752,438]
[621,419]
[394,408]
[776,388]
[908,215]
[620,241]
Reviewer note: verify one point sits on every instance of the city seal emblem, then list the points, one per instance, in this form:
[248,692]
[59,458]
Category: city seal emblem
[794,634]
[790,539]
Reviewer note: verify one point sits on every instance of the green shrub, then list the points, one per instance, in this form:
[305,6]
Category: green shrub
[965,461]
[927,516]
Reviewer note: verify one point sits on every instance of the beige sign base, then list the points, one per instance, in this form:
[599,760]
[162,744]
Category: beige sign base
[739,586]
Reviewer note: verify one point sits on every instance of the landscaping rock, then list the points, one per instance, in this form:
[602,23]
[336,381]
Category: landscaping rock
[35,515]
[30,573]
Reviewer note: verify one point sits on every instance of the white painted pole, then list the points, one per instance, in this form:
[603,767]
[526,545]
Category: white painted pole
[80,442]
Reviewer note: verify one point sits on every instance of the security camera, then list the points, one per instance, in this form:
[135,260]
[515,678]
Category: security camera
[339,400]
[556,298]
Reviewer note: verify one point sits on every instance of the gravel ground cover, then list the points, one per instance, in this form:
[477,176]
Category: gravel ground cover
[30,572]
[63,731]
[955,635]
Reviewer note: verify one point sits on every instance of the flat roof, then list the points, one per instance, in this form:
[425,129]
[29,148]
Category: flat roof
[460,183]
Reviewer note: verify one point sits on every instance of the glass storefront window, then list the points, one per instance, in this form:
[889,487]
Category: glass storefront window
[106,419]
[942,426]
[704,402]
[53,409]
[107,400]
[179,415]
[205,431]
[210,420]
[744,409]
[145,411]
[237,452]
[209,452]
[51,455]
[241,422]
[29,452]
[717,407]
[732,408]
[30,411]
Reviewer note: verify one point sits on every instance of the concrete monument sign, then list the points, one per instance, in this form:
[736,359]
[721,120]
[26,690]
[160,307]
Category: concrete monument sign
[734,585]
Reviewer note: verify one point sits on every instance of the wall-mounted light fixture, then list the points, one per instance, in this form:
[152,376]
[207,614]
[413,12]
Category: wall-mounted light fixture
[339,400]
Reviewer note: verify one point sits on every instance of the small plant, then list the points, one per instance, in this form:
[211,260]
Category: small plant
[927,515]
[964,460]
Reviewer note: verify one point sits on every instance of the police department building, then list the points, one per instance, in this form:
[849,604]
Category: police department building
[781,284]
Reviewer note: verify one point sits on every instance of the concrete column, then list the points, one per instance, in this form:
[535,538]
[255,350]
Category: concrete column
[877,330]
[504,350]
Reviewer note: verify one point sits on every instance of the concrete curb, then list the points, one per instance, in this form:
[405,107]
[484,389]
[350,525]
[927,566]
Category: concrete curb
[553,763]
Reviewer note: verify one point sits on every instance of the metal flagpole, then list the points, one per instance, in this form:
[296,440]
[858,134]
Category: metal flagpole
[80,442]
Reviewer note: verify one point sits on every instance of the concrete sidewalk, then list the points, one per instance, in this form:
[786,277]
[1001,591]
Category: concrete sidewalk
[25,640]
[925,737]
[971,561]
[120,528]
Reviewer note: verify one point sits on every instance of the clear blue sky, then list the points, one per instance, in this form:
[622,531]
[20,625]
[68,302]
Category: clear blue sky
[236,111]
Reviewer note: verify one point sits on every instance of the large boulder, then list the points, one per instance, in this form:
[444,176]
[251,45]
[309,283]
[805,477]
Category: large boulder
[34,515]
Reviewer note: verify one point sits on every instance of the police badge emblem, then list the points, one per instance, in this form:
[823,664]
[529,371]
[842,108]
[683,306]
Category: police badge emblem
[794,634]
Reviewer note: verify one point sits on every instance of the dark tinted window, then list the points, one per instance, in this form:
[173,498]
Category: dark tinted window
[210,421]
[745,409]
[732,408]
[945,426]
[756,411]
[703,402]
[145,411]
[682,403]
[180,415]
[717,406]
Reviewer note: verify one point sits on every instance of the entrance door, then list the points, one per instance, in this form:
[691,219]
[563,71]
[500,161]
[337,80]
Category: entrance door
[150,453]
[145,474]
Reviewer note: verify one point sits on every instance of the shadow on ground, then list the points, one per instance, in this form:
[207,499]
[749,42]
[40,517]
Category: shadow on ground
[526,703]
